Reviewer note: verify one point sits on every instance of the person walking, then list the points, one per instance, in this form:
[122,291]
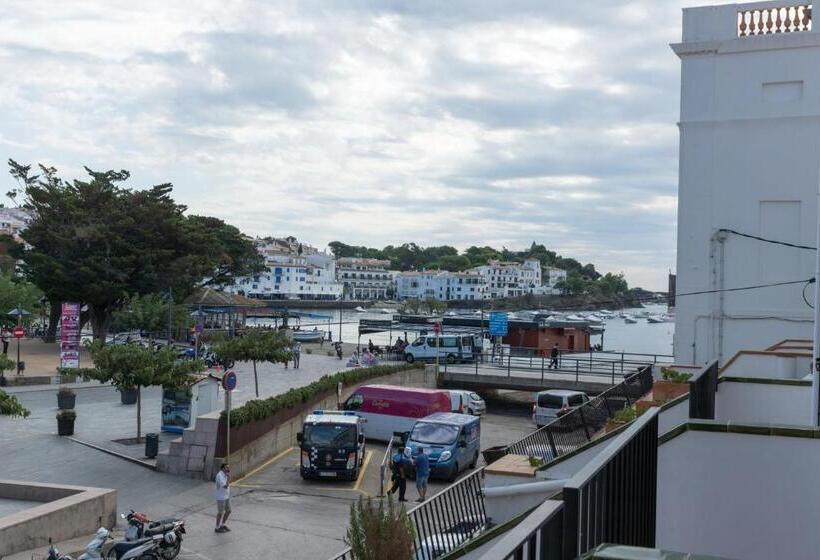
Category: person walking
[223,498]
[422,474]
[399,474]
[554,357]
[297,353]
[4,335]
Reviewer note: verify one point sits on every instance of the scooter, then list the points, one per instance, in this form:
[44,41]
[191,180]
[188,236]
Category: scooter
[140,526]
[148,548]
[54,554]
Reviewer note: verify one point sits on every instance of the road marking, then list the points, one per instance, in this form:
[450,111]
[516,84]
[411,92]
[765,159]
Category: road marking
[363,470]
[265,464]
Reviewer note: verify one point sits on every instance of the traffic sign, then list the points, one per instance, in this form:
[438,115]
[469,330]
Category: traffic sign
[19,331]
[499,323]
[229,381]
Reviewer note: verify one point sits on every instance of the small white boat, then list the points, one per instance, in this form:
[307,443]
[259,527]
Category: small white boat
[630,320]
[653,319]
[308,336]
[593,318]
[360,309]
[574,318]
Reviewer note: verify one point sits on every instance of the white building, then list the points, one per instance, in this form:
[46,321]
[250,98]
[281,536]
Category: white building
[511,279]
[749,146]
[440,285]
[293,271]
[13,221]
[365,279]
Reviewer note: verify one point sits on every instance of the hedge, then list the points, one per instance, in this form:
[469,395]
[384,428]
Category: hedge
[260,409]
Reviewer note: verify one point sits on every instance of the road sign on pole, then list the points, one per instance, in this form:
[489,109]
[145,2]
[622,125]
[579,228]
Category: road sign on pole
[229,384]
[19,331]
[499,323]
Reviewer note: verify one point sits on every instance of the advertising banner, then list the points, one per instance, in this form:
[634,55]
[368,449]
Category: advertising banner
[70,336]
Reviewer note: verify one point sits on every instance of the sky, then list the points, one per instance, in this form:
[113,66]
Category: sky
[465,122]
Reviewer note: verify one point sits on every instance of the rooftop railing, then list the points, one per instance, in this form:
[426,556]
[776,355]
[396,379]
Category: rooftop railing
[702,388]
[771,20]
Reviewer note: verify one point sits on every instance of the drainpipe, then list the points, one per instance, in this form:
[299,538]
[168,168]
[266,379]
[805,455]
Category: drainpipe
[815,380]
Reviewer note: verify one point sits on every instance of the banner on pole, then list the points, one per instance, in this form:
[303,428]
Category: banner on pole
[70,335]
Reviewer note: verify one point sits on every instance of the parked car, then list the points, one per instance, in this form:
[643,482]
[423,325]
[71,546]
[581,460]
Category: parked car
[553,403]
[450,348]
[451,441]
[436,546]
[467,402]
[388,409]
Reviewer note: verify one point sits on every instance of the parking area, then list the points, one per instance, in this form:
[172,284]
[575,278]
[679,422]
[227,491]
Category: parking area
[281,473]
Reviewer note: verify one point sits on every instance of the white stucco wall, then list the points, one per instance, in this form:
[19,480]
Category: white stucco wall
[739,496]
[673,416]
[771,366]
[749,140]
[755,403]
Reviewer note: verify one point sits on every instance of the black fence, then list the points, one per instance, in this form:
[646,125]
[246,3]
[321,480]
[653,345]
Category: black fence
[702,388]
[612,366]
[447,519]
[611,499]
[578,426]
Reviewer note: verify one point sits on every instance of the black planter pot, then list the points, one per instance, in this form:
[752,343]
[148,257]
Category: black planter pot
[128,396]
[65,426]
[66,401]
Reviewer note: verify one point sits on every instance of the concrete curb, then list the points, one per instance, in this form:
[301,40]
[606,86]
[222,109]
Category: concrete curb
[134,460]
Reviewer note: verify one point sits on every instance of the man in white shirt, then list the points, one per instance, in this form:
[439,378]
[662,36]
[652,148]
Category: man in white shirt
[223,498]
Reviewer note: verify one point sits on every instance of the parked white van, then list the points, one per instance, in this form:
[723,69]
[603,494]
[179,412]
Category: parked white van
[549,403]
[467,402]
[450,348]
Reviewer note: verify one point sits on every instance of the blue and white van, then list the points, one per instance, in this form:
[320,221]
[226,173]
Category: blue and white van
[451,441]
[450,348]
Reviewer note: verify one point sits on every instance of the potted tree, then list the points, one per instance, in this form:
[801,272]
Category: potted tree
[5,365]
[128,395]
[256,346]
[66,398]
[10,406]
[65,422]
[129,367]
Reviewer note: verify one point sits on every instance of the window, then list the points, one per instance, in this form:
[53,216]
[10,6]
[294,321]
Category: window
[547,400]
[355,402]
[575,400]
[328,435]
[434,434]
[419,341]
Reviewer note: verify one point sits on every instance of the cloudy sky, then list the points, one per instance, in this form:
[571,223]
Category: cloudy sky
[466,122]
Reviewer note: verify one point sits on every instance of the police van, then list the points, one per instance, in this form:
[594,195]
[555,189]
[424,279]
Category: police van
[331,445]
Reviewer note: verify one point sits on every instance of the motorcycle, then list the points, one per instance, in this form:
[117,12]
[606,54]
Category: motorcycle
[54,554]
[140,526]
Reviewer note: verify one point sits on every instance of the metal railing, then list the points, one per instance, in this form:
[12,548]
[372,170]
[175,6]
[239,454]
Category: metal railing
[702,388]
[447,519]
[578,426]
[531,362]
[611,499]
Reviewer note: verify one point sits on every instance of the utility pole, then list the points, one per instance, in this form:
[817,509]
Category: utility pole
[170,311]
[815,379]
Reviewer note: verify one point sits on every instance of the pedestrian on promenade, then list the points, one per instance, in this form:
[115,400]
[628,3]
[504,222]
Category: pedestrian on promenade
[554,357]
[370,346]
[398,466]
[223,498]
[422,474]
[297,353]
[4,335]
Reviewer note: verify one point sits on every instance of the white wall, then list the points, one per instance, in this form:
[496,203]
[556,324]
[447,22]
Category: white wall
[756,403]
[748,162]
[739,496]
[770,366]
[673,416]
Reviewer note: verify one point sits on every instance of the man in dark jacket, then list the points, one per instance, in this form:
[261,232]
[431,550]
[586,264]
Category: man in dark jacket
[554,357]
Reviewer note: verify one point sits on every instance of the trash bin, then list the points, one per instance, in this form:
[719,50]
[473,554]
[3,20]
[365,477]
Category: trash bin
[151,445]
[21,366]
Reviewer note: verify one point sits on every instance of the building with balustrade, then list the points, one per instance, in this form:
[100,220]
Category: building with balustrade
[748,179]
[511,279]
[365,279]
[440,285]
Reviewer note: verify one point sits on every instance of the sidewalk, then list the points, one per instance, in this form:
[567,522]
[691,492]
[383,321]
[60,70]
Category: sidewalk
[41,361]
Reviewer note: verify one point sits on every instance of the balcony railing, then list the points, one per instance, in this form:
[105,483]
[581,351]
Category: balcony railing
[577,427]
[612,499]
[767,21]
[702,388]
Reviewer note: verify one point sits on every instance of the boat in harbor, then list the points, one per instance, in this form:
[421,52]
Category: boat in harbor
[360,309]
[655,319]
[630,320]
[308,336]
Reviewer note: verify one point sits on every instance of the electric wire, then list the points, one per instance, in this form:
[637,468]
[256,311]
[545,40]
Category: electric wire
[773,241]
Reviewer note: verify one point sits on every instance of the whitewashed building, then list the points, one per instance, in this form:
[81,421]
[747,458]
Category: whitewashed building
[365,279]
[749,145]
[293,271]
[511,279]
[440,285]
[13,221]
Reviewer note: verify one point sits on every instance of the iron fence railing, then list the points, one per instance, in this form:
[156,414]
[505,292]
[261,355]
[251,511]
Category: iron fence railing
[446,520]
[578,426]
[385,466]
[530,362]
[702,388]
[611,499]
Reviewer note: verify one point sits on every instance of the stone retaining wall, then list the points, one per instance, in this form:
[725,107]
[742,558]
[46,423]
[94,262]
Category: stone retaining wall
[67,512]
[194,453]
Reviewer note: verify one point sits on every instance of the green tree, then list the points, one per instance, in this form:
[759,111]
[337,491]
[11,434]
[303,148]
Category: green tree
[379,531]
[435,306]
[16,291]
[149,313]
[132,366]
[256,346]
[97,242]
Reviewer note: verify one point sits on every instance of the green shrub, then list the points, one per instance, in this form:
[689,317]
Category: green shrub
[377,532]
[626,414]
[10,406]
[670,374]
[259,409]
